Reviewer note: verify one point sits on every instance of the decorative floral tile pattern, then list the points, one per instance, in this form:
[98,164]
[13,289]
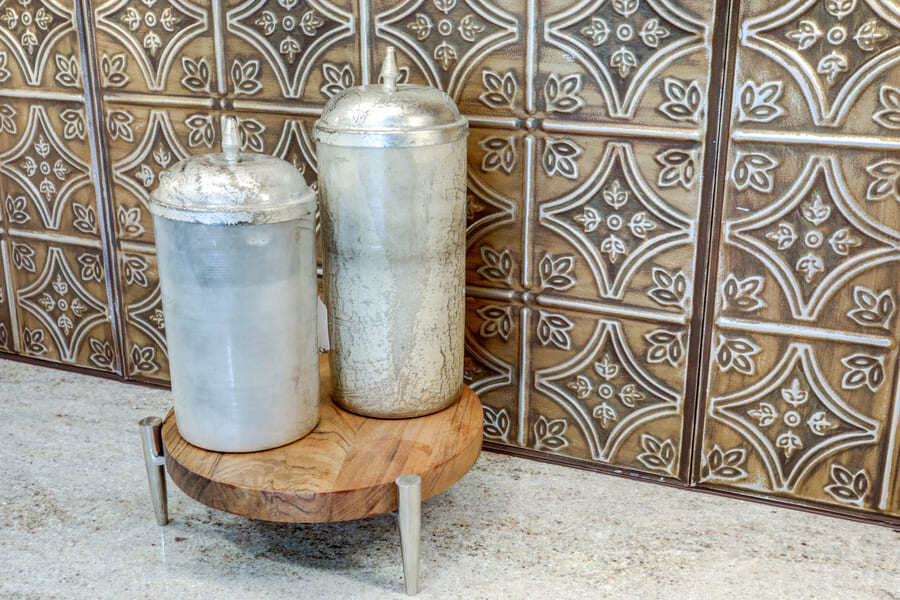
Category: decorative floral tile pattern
[448,44]
[801,398]
[55,294]
[39,46]
[298,50]
[45,162]
[585,162]
[60,298]
[146,355]
[643,62]
[145,141]
[832,63]
[156,47]
[587,174]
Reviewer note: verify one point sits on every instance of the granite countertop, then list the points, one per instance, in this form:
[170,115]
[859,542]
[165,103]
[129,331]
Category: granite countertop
[76,522]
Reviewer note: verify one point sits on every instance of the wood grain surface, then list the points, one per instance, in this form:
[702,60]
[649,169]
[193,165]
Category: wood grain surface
[343,470]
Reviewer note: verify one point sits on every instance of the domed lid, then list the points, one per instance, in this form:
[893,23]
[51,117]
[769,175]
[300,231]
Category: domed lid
[232,187]
[389,114]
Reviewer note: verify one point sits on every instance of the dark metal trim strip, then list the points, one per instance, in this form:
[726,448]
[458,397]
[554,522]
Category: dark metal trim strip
[745,496]
[102,174]
[725,36]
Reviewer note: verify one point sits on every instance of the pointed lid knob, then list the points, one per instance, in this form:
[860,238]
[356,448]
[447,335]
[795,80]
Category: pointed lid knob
[389,72]
[231,146]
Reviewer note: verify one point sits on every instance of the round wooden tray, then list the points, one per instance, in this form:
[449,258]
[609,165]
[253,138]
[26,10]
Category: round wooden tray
[345,469]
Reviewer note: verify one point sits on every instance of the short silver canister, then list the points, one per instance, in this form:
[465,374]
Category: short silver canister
[392,192]
[235,237]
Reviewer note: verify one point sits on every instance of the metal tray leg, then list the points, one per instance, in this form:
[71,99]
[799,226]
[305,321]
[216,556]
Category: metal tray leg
[409,517]
[155,461]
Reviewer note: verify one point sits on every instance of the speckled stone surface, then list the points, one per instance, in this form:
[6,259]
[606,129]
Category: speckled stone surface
[76,522]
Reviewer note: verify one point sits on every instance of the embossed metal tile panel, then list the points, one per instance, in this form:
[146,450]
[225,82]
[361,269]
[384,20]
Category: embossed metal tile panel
[56,299]
[61,302]
[585,175]
[159,47]
[39,46]
[45,161]
[304,51]
[56,302]
[588,196]
[801,399]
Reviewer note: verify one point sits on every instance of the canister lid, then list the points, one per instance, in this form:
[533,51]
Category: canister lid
[232,187]
[390,115]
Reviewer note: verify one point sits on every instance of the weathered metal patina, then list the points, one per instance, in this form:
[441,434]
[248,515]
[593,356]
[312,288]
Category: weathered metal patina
[392,187]
[235,234]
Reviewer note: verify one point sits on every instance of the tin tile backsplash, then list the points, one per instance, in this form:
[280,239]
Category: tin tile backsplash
[683,225]
[586,157]
[801,393]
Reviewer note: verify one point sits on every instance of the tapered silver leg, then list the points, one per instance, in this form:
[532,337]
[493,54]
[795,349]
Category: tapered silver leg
[155,461]
[409,517]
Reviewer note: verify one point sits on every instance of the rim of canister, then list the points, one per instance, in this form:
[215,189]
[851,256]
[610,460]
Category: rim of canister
[247,215]
[393,138]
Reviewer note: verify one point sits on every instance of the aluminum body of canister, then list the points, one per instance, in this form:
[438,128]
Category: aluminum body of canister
[235,238]
[392,192]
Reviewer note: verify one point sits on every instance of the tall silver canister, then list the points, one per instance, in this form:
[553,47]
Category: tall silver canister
[235,237]
[392,191]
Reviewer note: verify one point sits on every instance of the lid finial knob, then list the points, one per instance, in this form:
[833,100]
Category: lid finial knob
[389,72]
[231,146]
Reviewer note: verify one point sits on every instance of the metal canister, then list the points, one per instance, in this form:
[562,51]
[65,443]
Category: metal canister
[235,237]
[392,191]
